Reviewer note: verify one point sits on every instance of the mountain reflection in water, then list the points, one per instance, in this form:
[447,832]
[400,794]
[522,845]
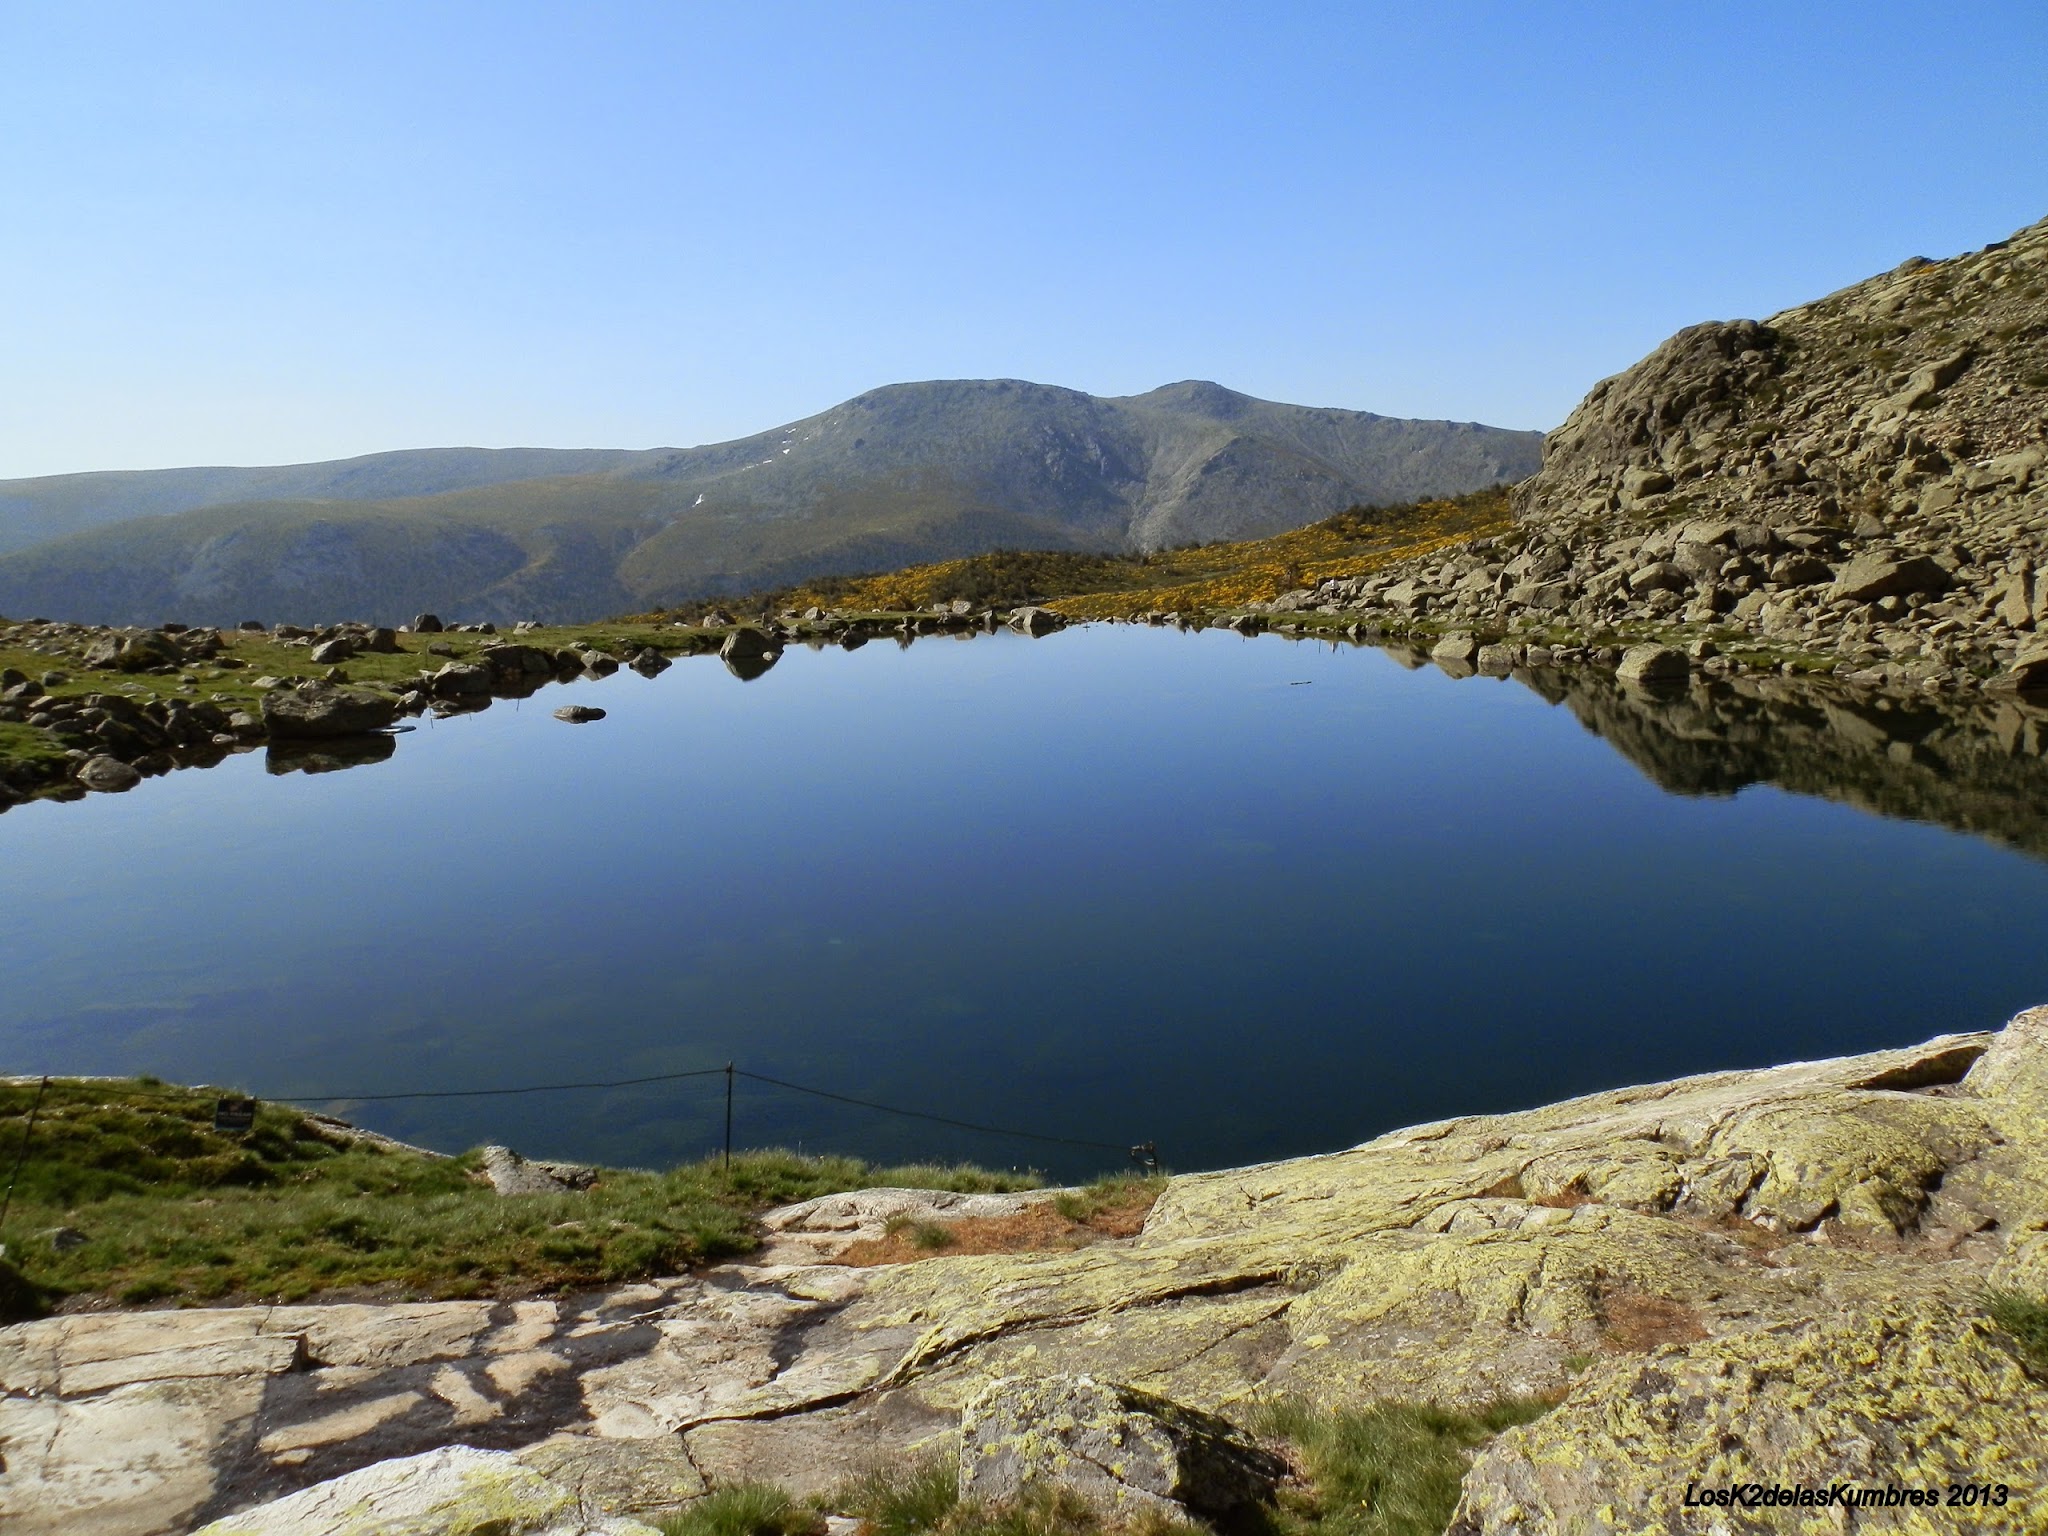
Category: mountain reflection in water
[1119,885]
[1971,762]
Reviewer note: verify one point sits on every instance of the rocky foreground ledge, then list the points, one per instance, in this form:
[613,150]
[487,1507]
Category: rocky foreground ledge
[1774,1276]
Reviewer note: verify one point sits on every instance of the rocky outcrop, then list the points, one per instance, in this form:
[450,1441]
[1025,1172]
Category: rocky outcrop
[1748,1274]
[1127,1451]
[456,1491]
[1861,481]
[511,1174]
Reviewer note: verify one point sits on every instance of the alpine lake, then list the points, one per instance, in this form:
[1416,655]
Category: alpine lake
[1239,899]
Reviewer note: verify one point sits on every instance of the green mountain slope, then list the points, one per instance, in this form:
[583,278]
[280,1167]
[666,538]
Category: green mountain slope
[911,472]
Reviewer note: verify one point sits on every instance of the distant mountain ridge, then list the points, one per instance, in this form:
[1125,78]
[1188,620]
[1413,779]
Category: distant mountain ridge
[905,473]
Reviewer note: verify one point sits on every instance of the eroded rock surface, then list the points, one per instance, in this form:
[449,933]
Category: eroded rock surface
[1127,1451]
[455,1491]
[1768,1274]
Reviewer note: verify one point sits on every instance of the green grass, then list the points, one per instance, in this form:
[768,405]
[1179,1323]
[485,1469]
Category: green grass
[1393,1469]
[931,1236]
[906,1500]
[2024,1320]
[745,1509]
[922,1499]
[171,1210]
[1115,1193]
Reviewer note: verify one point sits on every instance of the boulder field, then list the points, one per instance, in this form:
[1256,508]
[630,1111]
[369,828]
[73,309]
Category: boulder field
[1776,1276]
[1858,484]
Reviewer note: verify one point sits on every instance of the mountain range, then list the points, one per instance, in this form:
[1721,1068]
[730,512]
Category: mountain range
[905,473]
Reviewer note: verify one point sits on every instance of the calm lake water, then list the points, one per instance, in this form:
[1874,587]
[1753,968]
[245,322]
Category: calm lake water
[1244,899]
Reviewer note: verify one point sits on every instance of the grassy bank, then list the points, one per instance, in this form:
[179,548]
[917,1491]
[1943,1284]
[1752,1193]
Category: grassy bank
[232,672]
[127,1193]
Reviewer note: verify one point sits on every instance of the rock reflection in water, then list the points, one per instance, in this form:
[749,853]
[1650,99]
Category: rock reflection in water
[1968,762]
[747,667]
[328,756]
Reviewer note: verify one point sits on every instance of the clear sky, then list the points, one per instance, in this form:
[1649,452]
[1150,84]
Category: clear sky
[264,232]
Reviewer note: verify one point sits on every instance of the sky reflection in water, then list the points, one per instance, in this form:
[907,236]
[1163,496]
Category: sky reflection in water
[1244,898]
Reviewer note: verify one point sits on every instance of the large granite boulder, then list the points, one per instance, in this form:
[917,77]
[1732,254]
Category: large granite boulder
[1035,621]
[314,710]
[1653,664]
[1871,576]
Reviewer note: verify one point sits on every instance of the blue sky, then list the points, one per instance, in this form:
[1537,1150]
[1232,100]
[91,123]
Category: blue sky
[258,233]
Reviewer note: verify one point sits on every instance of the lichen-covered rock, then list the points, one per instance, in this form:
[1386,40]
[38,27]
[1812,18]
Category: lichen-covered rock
[1811,1242]
[455,1491]
[1912,1395]
[1125,1450]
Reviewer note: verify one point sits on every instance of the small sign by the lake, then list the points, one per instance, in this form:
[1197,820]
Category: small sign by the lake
[234,1114]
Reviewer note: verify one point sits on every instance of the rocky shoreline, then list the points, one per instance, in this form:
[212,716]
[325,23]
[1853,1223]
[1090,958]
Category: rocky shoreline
[1774,1276]
[1856,488]
[313,714]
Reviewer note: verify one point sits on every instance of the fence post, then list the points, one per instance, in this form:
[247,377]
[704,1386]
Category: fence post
[728,1116]
[21,1155]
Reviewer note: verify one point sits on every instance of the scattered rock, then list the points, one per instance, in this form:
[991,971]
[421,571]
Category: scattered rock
[1653,664]
[108,775]
[427,624]
[333,652]
[511,1174]
[2028,672]
[1869,577]
[747,644]
[512,662]
[1035,621]
[1459,650]
[460,680]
